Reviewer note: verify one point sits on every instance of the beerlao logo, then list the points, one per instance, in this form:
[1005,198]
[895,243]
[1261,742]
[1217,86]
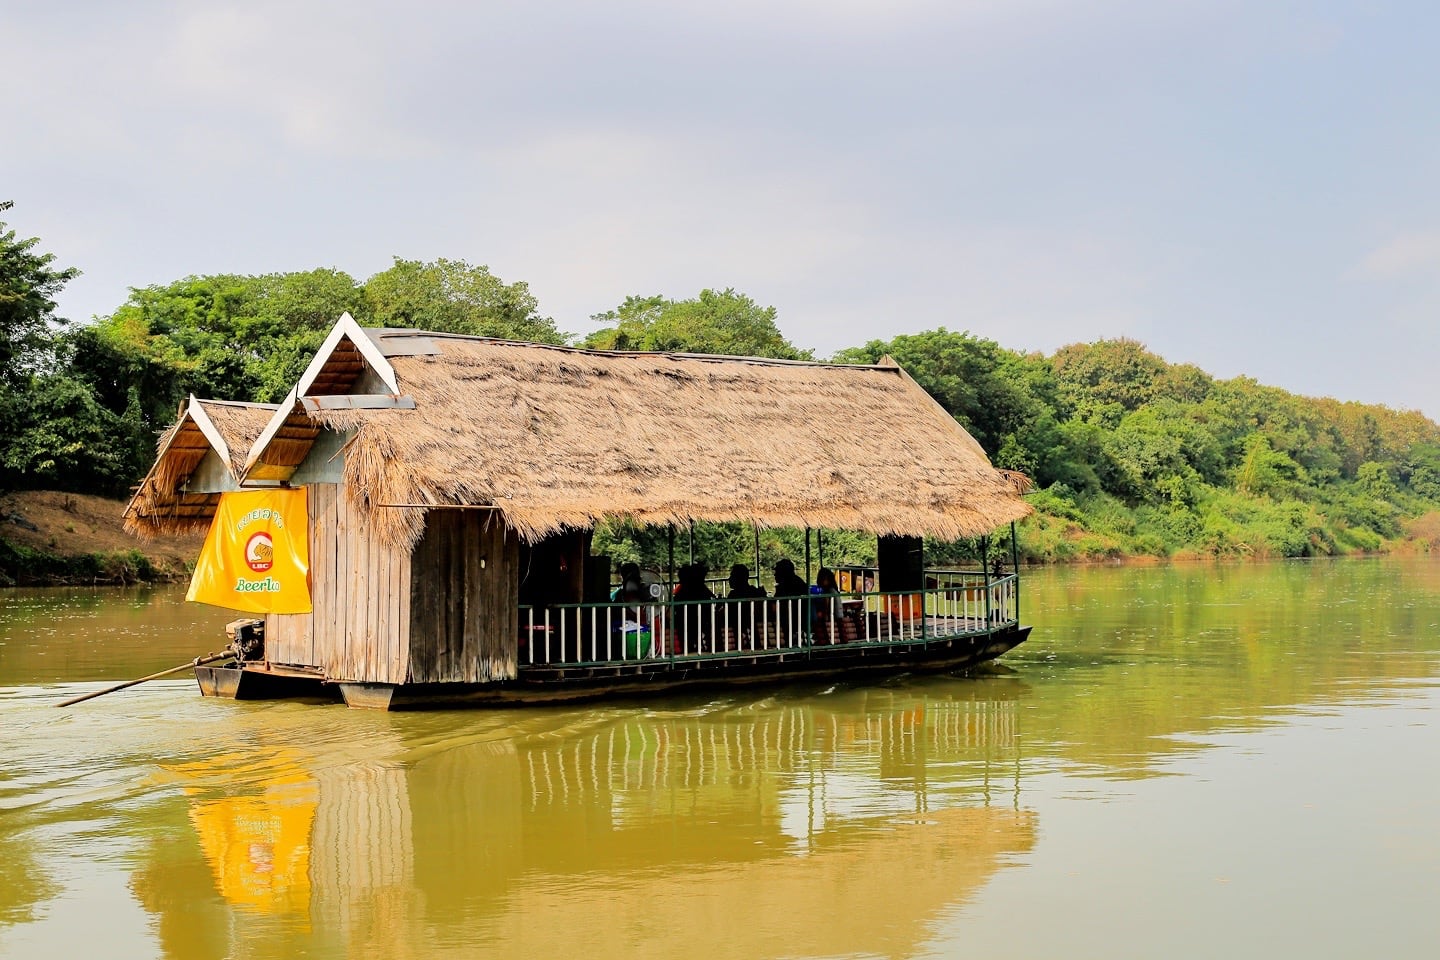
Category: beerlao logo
[259,552]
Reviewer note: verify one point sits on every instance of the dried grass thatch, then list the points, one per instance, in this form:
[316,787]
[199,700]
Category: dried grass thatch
[161,503]
[240,424]
[558,438]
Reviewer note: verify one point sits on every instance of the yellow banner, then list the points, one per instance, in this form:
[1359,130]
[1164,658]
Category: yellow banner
[257,555]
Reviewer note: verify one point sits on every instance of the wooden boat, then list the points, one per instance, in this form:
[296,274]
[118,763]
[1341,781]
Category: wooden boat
[453,484]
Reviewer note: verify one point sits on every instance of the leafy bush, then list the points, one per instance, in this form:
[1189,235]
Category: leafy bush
[20,564]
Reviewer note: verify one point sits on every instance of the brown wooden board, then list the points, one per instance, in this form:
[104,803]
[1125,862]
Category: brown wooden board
[463,605]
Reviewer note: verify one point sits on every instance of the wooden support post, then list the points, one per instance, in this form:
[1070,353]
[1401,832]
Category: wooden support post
[756,573]
[923,585]
[807,554]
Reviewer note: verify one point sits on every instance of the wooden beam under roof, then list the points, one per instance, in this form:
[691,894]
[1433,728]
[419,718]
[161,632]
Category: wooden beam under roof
[358,401]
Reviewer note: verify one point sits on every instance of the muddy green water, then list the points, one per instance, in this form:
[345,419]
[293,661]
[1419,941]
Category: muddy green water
[1182,762]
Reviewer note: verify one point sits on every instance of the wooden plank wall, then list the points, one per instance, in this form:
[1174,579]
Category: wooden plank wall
[464,614]
[289,637]
[358,628]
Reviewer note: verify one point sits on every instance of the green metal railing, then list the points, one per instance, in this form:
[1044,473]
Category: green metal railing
[965,603]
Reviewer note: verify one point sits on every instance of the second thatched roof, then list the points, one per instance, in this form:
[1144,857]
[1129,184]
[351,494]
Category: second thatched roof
[165,499]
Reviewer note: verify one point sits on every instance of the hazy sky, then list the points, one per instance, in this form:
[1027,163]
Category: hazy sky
[1253,187]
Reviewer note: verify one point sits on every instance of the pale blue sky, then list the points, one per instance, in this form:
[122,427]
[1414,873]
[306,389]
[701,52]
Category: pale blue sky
[1247,186]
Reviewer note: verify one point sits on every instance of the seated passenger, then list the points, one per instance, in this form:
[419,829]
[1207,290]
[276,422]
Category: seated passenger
[746,618]
[740,586]
[788,582]
[791,609]
[827,606]
[636,616]
[692,619]
[632,587]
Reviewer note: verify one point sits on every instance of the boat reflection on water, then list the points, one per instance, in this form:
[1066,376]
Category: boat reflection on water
[741,829]
[258,847]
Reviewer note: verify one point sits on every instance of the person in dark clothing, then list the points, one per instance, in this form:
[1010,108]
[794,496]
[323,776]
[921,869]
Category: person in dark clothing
[632,586]
[745,619]
[791,607]
[826,606]
[692,583]
[740,586]
[693,618]
[788,582]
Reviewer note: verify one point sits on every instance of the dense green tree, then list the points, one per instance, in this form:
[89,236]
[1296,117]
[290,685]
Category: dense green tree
[1159,453]
[1374,479]
[1420,470]
[29,282]
[225,336]
[1266,471]
[1007,401]
[1185,383]
[968,375]
[1102,381]
[56,433]
[452,296]
[717,321]
[64,439]
[1236,409]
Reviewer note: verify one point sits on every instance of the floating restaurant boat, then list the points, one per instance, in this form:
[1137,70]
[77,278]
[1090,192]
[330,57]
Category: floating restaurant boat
[448,489]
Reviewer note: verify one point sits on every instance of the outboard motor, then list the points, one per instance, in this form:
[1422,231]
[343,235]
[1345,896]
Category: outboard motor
[247,639]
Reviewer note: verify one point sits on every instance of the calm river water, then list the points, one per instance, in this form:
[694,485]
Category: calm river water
[1182,762]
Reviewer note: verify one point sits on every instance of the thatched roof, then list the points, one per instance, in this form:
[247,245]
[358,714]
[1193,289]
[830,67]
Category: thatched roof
[559,438]
[163,500]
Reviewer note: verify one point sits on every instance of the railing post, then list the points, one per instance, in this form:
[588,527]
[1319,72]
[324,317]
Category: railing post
[530,634]
[1015,568]
[665,636]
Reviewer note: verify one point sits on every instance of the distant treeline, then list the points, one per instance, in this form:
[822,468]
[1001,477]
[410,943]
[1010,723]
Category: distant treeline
[1131,455]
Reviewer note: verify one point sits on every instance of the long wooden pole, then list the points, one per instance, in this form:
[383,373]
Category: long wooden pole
[197,662]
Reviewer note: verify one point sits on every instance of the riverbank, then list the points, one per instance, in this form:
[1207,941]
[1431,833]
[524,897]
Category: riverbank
[49,538]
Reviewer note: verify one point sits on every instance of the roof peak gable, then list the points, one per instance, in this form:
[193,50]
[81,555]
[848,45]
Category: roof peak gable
[347,329]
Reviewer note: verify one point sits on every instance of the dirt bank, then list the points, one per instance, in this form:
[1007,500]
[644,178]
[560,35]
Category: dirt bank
[49,537]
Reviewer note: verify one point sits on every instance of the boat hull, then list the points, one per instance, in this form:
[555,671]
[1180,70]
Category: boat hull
[252,682]
[550,684]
